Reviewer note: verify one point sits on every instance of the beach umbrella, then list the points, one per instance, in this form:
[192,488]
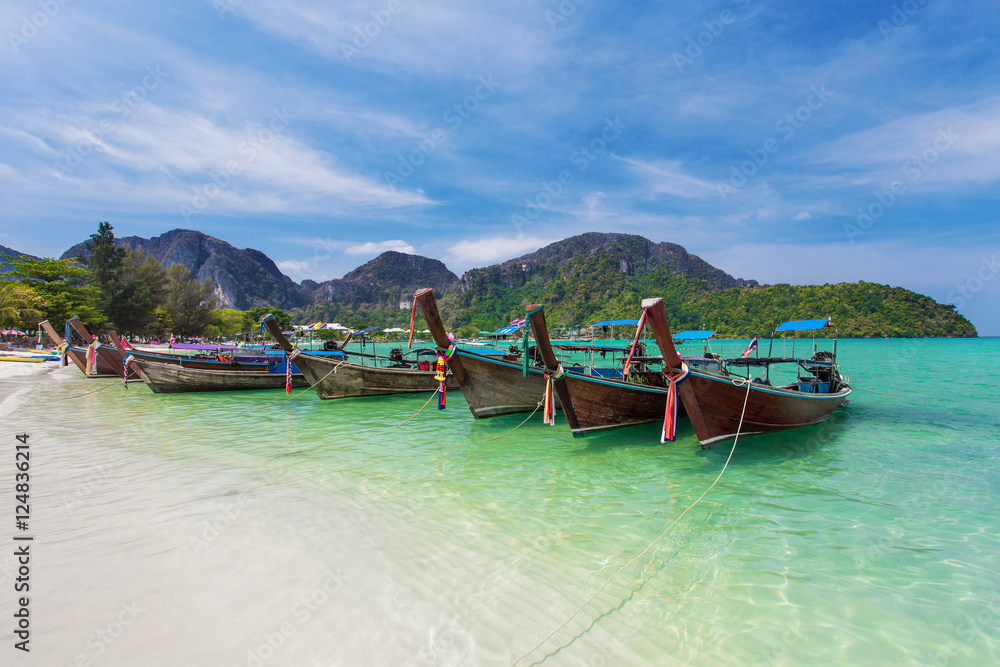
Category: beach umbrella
[12,332]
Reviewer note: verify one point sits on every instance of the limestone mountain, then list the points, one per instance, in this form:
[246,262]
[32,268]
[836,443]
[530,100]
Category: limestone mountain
[386,282]
[241,278]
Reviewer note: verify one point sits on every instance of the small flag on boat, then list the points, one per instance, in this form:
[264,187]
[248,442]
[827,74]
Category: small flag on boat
[517,323]
[750,348]
[125,362]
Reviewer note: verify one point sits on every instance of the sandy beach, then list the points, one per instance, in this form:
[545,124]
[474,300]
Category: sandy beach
[17,376]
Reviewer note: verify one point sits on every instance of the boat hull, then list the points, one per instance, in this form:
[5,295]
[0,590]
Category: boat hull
[174,379]
[768,409]
[493,387]
[253,364]
[79,357]
[339,378]
[602,403]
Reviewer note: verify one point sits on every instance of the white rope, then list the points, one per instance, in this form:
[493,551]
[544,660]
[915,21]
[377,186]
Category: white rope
[643,552]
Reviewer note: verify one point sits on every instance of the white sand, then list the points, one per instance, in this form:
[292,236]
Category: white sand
[18,375]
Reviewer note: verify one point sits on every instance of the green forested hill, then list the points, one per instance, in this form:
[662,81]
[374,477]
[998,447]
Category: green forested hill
[594,277]
[596,286]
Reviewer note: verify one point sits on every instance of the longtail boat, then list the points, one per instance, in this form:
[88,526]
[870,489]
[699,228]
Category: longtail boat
[817,392]
[713,399]
[221,362]
[167,377]
[493,384]
[172,379]
[335,375]
[98,367]
[596,402]
[110,356]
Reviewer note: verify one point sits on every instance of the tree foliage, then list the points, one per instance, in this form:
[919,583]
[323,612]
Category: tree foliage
[189,302]
[62,287]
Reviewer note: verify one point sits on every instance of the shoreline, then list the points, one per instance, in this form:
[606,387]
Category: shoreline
[17,377]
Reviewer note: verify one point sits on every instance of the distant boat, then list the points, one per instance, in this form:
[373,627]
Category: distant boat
[166,378]
[334,375]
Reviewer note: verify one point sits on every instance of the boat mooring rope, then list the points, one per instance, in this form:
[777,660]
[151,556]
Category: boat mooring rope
[538,405]
[884,394]
[420,410]
[332,371]
[642,553]
[115,384]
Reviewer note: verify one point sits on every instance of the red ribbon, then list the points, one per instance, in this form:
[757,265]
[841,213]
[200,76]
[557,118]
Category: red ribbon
[669,432]
[628,362]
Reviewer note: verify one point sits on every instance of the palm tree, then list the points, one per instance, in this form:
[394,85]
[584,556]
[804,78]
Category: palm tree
[18,304]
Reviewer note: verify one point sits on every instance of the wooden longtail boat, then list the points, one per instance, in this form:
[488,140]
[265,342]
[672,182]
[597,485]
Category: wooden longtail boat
[721,396]
[492,385]
[713,400]
[334,375]
[172,379]
[253,363]
[78,355]
[111,357]
[593,402]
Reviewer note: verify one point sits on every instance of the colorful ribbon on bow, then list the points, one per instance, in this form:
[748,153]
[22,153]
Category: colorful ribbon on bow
[413,319]
[669,432]
[125,362]
[441,374]
[549,402]
[91,368]
[288,374]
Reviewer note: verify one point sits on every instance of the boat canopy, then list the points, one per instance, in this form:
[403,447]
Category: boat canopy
[694,335]
[608,323]
[802,325]
[361,332]
[507,330]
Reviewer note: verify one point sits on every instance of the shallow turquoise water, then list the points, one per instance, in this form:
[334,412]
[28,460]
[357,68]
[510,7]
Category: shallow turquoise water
[869,539]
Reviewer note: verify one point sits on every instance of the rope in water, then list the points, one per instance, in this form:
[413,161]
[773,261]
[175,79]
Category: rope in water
[538,405]
[113,384]
[420,410]
[884,394]
[644,551]
[332,371]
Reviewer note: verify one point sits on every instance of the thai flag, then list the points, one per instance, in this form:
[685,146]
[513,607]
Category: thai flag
[750,348]
[517,323]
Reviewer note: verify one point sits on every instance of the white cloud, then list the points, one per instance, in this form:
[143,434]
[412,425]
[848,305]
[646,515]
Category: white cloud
[468,254]
[804,215]
[372,248]
[668,177]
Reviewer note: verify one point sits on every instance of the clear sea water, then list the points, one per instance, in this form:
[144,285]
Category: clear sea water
[231,529]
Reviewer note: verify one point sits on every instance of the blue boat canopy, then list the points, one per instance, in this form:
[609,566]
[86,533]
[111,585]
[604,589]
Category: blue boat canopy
[608,323]
[801,325]
[364,331]
[506,331]
[694,335]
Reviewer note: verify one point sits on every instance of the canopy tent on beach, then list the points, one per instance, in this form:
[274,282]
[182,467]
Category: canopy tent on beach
[12,332]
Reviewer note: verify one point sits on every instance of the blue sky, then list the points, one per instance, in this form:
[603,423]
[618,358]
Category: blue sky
[781,141]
